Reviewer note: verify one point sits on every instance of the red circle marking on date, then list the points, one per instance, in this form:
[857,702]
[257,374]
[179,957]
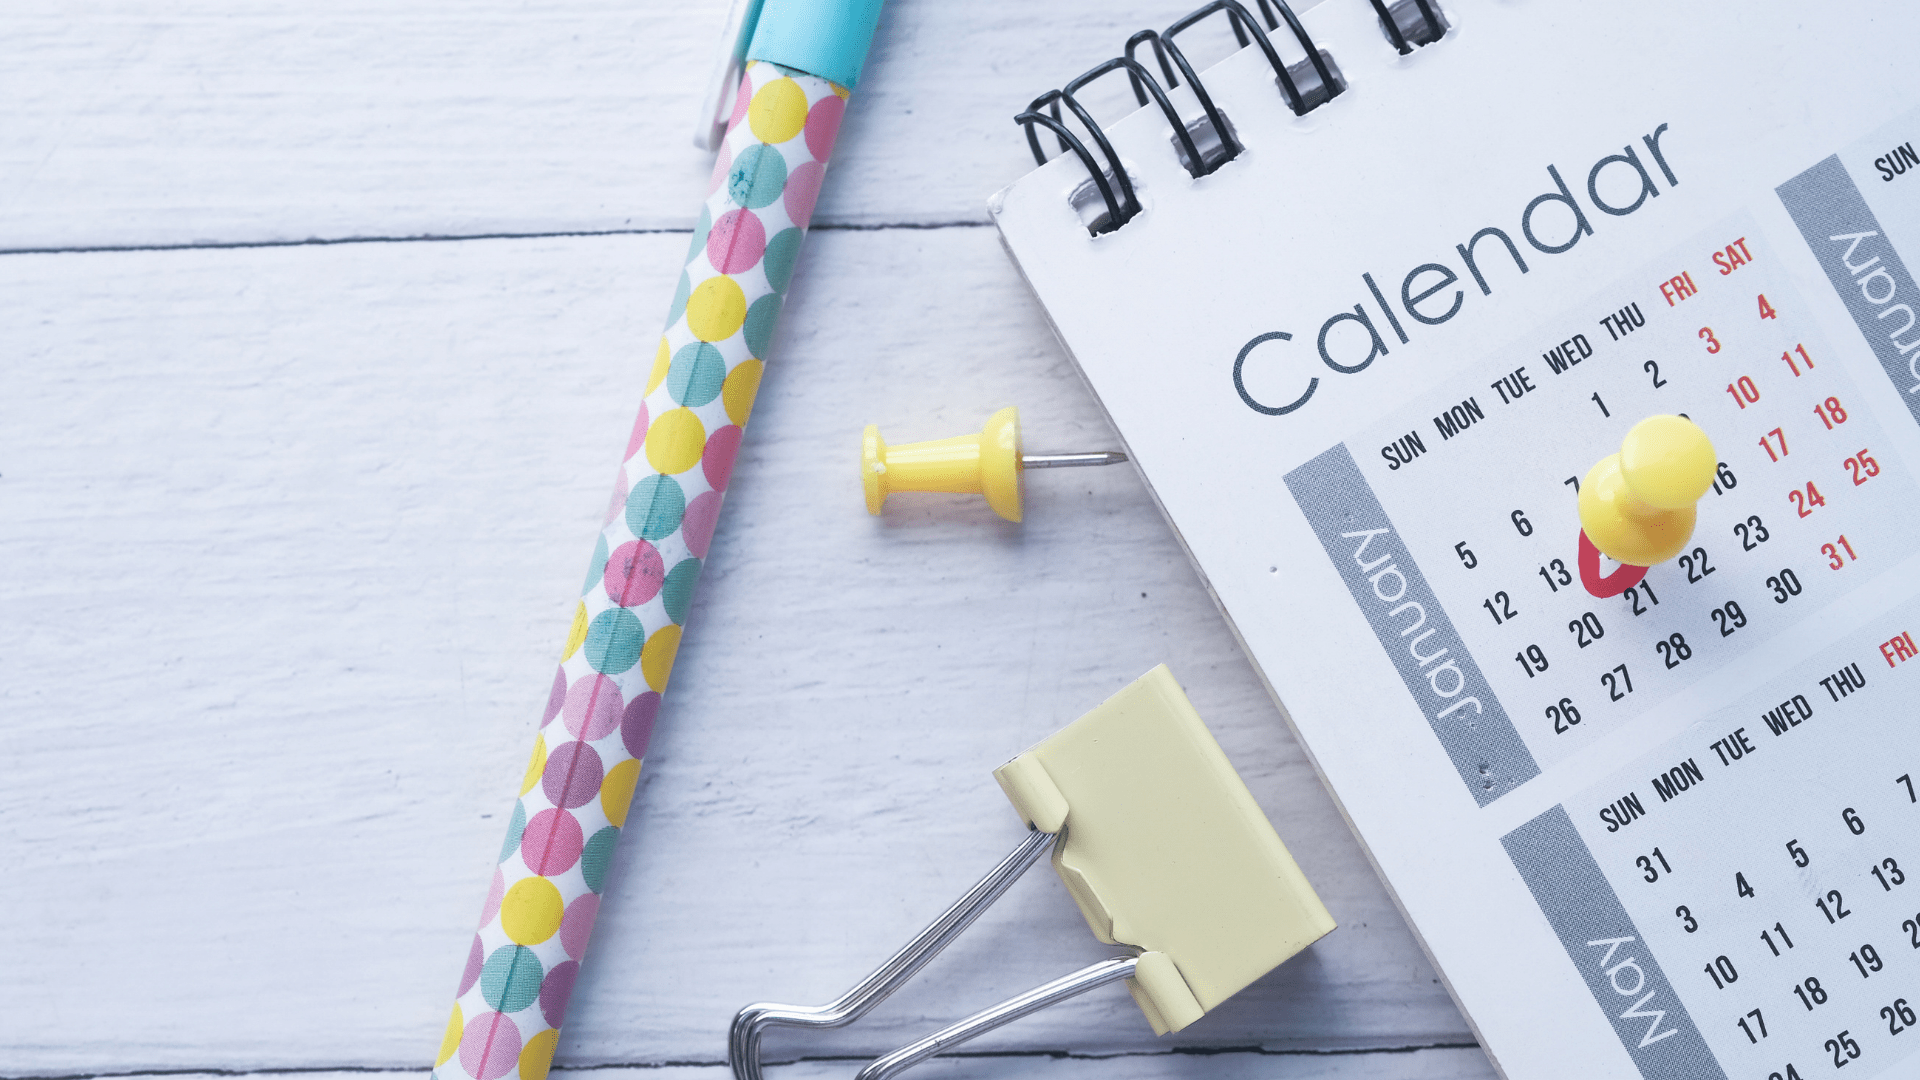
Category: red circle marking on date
[1613,584]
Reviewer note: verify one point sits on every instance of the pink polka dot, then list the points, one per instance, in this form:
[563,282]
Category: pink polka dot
[577,925]
[634,573]
[823,123]
[717,459]
[556,697]
[803,187]
[573,775]
[639,435]
[696,528]
[494,892]
[721,166]
[736,242]
[617,502]
[593,706]
[552,843]
[555,989]
[741,100]
[476,959]
[490,1047]
[636,725]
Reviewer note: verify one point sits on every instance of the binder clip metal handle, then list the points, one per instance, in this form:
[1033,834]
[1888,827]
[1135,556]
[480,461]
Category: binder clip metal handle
[743,1038]
[1160,844]
[1087,978]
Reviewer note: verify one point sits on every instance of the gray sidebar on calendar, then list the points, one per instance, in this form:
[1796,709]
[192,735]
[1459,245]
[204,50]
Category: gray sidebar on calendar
[1609,950]
[1406,616]
[1864,268]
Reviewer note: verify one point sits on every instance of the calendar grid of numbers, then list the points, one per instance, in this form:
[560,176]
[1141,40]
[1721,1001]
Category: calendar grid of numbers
[1483,605]
[1747,885]
[1736,900]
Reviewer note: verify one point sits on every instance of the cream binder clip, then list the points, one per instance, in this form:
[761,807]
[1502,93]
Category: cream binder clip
[1157,840]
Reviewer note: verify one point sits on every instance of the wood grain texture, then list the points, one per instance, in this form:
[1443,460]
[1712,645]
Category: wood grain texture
[292,539]
[204,121]
[289,539]
[1450,1063]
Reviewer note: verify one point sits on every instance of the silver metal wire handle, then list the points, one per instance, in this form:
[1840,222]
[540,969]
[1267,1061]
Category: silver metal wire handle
[743,1039]
[1100,974]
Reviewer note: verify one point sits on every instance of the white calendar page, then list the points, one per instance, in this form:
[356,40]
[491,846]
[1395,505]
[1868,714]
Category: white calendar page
[1665,831]
[1780,532]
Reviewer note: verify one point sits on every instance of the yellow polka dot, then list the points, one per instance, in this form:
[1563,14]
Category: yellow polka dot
[778,112]
[450,1042]
[536,765]
[656,657]
[537,1056]
[716,309]
[840,92]
[741,387]
[576,636]
[674,442]
[616,791]
[662,360]
[530,913]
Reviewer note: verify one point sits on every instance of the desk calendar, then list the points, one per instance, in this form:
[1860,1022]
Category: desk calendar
[1665,830]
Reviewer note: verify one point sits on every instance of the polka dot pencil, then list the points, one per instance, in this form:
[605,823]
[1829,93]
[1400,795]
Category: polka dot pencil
[579,783]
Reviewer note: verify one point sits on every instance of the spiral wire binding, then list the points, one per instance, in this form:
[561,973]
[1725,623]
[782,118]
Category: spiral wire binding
[1118,214]
[1242,23]
[1163,48]
[1307,85]
[1143,84]
[1398,23]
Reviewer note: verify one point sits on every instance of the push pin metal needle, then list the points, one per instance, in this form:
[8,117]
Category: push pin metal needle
[988,462]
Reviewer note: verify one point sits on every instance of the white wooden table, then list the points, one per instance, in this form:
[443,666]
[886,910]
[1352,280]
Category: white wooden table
[322,327]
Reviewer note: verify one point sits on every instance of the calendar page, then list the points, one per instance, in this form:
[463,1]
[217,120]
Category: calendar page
[1711,896]
[1524,656]
[1484,605]
[1657,824]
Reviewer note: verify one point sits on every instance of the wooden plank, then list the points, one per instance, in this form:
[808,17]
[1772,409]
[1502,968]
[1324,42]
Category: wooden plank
[292,538]
[1452,1063]
[1459,1063]
[195,122]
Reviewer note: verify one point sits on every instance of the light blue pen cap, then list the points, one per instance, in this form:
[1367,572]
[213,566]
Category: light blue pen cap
[828,38]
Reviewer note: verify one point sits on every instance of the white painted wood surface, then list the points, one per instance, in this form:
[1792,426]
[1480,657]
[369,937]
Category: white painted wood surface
[193,121]
[289,537]
[1466,1063]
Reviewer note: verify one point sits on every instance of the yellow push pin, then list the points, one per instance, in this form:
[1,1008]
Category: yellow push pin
[987,462]
[1637,506]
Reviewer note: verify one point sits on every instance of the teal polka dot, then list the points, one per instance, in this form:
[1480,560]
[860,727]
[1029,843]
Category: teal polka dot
[677,591]
[655,506]
[781,253]
[762,317]
[700,231]
[698,372]
[511,980]
[680,295]
[515,826]
[597,567]
[614,638]
[597,855]
[758,177]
